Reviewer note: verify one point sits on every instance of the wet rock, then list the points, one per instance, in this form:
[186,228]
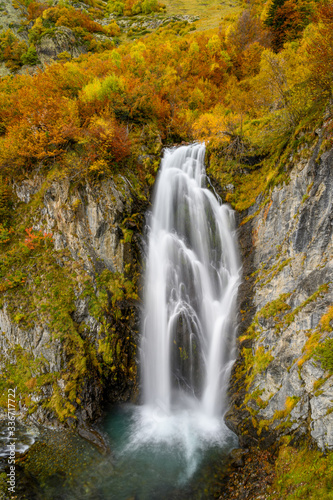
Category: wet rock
[237,457]
[95,438]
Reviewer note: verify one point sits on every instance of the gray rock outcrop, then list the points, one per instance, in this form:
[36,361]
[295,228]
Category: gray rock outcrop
[63,40]
[288,287]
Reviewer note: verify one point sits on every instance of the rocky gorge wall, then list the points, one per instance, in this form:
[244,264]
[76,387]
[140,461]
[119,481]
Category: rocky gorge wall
[65,342]
[279,386]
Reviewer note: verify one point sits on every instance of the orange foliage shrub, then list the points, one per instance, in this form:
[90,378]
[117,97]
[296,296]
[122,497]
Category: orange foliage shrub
[107,140]
[35,239]
[39,123]
[36,9]
[71,18]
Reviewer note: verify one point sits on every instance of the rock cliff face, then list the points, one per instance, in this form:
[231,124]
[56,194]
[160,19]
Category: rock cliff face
[86,220]
[63,40]
[279,385]
[90,227]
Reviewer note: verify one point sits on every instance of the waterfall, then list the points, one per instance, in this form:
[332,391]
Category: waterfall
[191,281]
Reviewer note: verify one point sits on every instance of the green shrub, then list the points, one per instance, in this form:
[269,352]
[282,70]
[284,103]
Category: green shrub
[324,353]
[30,57]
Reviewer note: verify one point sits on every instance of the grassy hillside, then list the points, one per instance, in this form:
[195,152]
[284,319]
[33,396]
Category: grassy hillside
[210,12]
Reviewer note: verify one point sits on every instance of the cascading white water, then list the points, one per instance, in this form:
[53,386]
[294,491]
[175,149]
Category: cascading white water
[188,333]
[191,282]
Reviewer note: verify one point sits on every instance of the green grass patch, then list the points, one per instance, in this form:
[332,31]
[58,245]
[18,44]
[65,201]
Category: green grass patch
[274,308]
[324,353]
[303,474]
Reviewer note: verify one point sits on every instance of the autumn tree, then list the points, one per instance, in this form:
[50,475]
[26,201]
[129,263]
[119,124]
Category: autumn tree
[246,40]
[107,143]
[287,20]
[248,29]
[11,50]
